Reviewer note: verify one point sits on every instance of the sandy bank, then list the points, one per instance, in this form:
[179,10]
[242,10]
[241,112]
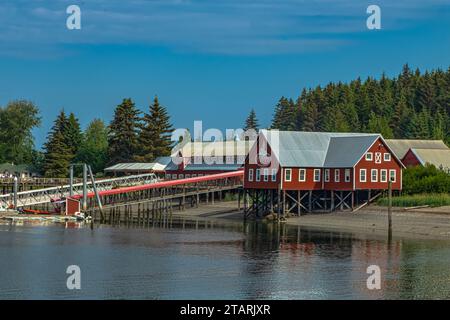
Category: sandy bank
[428,223]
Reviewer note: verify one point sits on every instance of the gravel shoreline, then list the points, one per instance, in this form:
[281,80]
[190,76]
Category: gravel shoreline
[427,223]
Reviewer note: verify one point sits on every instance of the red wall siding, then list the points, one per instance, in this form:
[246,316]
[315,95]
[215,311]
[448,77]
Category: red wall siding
[308,184]
[410,159]
[341,185]
[251,162]
[368,165]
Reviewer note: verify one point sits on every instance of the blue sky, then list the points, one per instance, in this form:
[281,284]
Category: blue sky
[207,60]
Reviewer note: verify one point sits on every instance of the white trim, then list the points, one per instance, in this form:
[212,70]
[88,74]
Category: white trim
[365,175]
[250,175]
[273,176]
[326,175]
[371,156]
[387,147]
[387,154]
[338,171]
[378,157]
[385,171]
[304,175]
[290,175]
[258,175]
[266,174]
[314,176]
[347,175]
[372,171]
[395,175]
[354,179]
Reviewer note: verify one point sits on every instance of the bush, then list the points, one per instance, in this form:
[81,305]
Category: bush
[426,179]
[433,200]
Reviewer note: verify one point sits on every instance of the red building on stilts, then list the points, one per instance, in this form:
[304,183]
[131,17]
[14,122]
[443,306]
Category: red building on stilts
[292,172]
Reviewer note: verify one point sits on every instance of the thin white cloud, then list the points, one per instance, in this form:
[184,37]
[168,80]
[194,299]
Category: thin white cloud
[219,26]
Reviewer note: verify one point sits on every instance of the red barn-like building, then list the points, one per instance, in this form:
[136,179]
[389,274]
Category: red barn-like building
[199,158]
[294,171]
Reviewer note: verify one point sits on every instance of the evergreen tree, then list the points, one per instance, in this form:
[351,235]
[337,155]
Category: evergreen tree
[412,105]
[94,148]
[73,135]
[400,119]
[155,137]
[379,125]
[123,133]
[57,156]
[340,123]
[251,122]
[285,117]
[423,128]
[310,116]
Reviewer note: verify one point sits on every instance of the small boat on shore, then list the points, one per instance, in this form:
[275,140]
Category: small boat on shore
[38,212]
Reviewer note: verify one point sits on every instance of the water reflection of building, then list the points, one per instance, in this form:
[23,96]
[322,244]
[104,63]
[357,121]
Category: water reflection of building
[286,262]
[387,256]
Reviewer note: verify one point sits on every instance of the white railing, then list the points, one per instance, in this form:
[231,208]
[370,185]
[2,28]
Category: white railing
[46,195]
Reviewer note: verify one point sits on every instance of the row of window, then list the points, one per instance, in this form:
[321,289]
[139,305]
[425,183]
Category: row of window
[386,157]
[181,176]
[317,175]
[265,175]
[374,175]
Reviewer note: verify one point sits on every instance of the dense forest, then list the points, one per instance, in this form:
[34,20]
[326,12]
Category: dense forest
[131,136]
[411,105]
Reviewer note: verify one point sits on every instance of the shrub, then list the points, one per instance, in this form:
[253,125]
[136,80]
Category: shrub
[427,179]
[433,200]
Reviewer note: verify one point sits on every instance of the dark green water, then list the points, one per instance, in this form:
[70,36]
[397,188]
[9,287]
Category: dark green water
[201,260]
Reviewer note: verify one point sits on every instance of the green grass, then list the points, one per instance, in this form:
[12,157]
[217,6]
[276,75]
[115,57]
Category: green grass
[230,197]
[415,200]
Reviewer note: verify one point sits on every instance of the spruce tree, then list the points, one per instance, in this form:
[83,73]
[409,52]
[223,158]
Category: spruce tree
[155,137]
[286,115]
[340,123]
[123,133]
[380,125]
[310,116]
[251,122]
[58,155]
[400,119]
[73,135]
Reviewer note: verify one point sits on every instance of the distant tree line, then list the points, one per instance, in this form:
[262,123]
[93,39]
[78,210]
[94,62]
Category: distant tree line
[411,105]
[132,136]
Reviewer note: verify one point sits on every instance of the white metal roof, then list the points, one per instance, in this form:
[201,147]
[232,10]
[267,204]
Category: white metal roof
[401,146]
[214,148]
[440,158]
[318,149]
[137,166]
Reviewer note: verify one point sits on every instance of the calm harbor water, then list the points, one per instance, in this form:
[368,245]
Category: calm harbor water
[212,260]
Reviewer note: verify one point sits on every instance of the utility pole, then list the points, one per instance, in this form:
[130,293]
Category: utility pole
[389,210]
[71,181]
[84,204]
[16,187]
